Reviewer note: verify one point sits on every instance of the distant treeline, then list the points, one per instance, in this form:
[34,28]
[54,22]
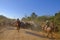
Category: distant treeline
[5,21]
[39,19]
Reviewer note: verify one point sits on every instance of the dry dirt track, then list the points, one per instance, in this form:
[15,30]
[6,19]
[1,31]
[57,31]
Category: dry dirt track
[24,34]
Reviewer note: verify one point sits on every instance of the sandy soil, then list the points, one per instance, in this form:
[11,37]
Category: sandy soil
[24,34]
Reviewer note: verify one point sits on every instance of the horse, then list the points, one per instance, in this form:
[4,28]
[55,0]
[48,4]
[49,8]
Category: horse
[25,25]
[17,24]
[49,30]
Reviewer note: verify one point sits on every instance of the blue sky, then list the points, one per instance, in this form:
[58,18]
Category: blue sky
[20,8]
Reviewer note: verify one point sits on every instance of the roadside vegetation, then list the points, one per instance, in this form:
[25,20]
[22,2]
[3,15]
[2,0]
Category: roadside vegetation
[40,20]
[34,19]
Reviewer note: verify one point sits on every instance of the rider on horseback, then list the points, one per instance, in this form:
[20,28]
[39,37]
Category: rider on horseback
[47,23]
[18,24]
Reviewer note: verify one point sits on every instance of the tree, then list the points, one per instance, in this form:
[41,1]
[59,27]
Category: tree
[33,15]
[57,18]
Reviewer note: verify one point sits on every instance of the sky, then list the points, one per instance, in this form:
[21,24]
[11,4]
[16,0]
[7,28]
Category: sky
[22,8]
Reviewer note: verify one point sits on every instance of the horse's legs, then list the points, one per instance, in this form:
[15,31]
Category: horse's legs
[51,35]
[47,34]
[18,29]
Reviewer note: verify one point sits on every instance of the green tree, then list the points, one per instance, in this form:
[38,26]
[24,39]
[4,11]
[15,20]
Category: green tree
[57,18]
[33,15]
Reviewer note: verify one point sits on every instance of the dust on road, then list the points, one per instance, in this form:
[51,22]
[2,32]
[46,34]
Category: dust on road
[24,34]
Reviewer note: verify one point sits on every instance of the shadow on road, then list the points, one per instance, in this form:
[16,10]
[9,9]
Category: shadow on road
[11,28]
[38,35]
[1,32]
[34,34]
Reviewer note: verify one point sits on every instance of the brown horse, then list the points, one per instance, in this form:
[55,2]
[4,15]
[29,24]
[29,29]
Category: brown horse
[18,24]
[25,25]
[49,30]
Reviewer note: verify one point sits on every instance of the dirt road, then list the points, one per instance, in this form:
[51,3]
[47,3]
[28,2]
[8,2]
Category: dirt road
[10,33]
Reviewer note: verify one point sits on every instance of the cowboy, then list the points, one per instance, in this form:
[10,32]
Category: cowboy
[47,23]
[18,24]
